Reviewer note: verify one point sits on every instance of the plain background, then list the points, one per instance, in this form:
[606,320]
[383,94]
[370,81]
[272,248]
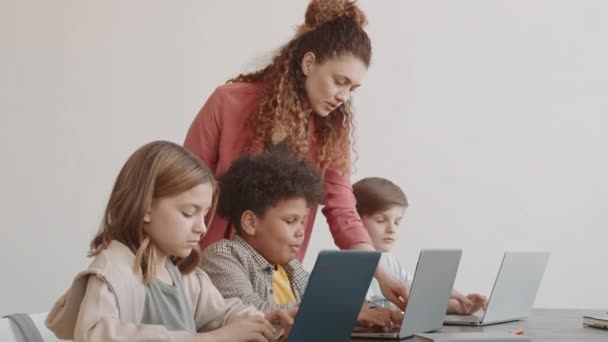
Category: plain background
[492,116]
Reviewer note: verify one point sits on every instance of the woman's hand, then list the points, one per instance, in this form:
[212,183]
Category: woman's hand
[392,288]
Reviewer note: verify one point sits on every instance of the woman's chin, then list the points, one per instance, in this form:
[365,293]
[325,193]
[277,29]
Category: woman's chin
[322,113]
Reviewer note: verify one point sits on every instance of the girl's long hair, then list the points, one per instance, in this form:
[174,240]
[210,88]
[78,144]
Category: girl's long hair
[156,170]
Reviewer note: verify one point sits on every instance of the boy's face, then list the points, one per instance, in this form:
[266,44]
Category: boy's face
[382,227]
[280,232]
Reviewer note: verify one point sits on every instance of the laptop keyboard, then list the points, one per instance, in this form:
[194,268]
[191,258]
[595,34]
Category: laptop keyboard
[462,318]
[375,329]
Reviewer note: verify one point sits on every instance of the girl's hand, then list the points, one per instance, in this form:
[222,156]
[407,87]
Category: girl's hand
[252,328]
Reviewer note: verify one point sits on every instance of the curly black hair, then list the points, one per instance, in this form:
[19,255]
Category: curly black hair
[259,182]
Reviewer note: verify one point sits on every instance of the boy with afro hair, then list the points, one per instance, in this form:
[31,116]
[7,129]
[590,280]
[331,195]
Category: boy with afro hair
[267,199]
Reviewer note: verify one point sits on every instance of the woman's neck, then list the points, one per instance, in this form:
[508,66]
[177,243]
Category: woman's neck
[278,135]
[279,132]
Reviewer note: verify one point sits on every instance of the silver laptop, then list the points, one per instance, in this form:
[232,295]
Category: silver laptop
[514,290]
[429,295]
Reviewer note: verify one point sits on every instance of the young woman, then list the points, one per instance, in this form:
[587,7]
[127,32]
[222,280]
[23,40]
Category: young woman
[300,102]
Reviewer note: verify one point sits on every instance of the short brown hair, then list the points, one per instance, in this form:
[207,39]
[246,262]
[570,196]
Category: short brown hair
[156,170]
[376,194]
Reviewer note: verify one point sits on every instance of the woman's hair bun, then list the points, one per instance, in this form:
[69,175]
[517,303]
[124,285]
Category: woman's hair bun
[320,12]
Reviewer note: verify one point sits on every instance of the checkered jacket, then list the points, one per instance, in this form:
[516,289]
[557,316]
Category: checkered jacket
[237,270]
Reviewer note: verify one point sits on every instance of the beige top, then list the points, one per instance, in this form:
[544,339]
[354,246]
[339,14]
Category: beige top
[106,301]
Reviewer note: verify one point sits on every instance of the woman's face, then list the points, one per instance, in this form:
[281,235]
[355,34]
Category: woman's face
[329,84]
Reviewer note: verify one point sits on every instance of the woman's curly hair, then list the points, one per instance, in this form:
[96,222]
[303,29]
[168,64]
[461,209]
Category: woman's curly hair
[258,182]
[332,28]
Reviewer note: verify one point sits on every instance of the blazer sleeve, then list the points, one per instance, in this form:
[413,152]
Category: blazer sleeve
[203,137]
[340,210]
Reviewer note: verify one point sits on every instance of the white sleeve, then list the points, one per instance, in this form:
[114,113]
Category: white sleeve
[98,320]
[397,270]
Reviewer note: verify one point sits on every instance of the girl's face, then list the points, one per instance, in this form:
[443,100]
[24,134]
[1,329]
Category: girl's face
[382,227]
[176,224]
[329,84]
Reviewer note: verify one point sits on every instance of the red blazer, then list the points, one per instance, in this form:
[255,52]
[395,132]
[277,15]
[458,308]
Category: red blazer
[219,134]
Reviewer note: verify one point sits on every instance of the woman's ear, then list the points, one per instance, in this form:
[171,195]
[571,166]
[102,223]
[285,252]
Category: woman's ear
[308,62]
[249,223]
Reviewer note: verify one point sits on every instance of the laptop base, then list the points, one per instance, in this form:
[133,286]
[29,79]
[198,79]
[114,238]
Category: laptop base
[470,320]
[376,333]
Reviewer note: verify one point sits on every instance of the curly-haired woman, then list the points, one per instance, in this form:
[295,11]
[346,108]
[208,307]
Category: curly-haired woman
[299,102]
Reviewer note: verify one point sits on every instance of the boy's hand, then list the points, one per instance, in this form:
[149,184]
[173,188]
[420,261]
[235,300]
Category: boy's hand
[463,304]
[467,305]
[396,317]
[282,320]
[479,301]
[370,316]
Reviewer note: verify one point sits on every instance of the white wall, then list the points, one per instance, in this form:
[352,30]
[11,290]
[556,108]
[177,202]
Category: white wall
[490,114]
